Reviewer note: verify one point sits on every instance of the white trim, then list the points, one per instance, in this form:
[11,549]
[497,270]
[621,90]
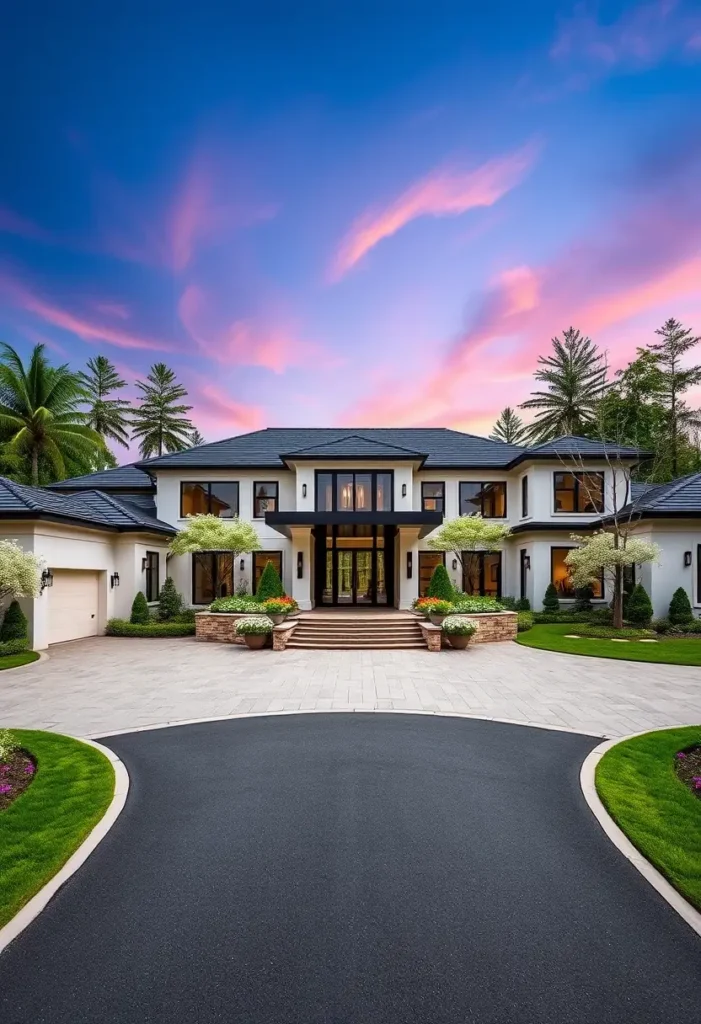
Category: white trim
[587,779]
[36,904]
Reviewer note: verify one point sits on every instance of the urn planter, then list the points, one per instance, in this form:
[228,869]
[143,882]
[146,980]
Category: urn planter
[459,640]
[437,620]
[277,620]
[255,641]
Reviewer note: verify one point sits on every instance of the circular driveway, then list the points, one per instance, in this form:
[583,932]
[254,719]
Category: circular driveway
[360,868]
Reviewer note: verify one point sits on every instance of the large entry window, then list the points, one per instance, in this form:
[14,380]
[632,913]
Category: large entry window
[354,492]
[481,573]
[212,576]
[428,560]
[354,564]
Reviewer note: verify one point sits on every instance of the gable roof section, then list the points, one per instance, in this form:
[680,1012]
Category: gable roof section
[355,446]
[89,508]
[570,446]
[122,478]
[678,498]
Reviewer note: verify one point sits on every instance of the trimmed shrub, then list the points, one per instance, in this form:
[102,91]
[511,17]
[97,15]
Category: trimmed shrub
[509,603]
[551,602]
[604,616]
[120,627]
[639,610]
[13,647]
[582,599]
[139,610]
[269,584]
[660,625]
[523,605]
[524,622]
[609,633]
[170,603]
[476,605]
[440,585]
[14,625]
[679,608]
[236,604]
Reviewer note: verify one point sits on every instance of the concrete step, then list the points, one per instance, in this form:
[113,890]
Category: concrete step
[340,645]
[375,630]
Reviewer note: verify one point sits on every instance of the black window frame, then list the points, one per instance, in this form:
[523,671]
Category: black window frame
[523,573]
[263,554]
[576,490]
[524,497]
[482,484]
[570,596]
[433,554]
[335,473]
[433,497]
[209,484]
[266,483]
[216,578]
[698,575]
[480,557]
[153,562]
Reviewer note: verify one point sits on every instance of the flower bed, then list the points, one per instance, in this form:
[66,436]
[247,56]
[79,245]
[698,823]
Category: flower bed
[687,764]
[17,769]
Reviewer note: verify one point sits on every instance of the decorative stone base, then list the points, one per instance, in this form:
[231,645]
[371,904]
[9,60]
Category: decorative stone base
[282,633]
[217,627]
[493,627]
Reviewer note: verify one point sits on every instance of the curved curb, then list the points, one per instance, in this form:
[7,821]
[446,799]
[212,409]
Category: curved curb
[36,904]
[21,668]
[587,780]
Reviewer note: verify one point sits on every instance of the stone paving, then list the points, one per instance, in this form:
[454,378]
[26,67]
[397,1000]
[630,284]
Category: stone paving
[92,687]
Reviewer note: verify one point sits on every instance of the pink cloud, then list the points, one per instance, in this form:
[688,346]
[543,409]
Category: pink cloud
[116,310]
[443,193]
[216,414]
[13,224]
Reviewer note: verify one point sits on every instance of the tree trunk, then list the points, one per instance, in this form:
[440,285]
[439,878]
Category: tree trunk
[35,467]
[618,598]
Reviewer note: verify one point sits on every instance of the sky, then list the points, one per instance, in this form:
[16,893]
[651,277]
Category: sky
[347,213]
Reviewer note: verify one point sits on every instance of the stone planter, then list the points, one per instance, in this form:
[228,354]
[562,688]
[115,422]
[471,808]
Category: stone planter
[437,620]
[255,641]
[277,620]
[459,640]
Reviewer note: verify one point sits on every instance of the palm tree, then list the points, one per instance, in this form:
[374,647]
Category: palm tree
[196,439]
[44,433]
[105,415]
[159,423]
[575,375]
[509,428]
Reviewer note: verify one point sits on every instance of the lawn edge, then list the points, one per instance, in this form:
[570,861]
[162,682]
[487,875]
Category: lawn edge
[41,899]
[587,781]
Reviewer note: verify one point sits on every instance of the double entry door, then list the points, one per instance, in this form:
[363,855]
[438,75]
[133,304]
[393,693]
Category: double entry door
[359,576]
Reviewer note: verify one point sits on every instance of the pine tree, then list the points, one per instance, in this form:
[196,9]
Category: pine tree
[676,379]
[196,439]
[269,584]
[551,602]
[170,602]
[139,610]
[107,416]
[680,608]
[639,608]
[509,428]
[14,625]
[160,423]
[440,585]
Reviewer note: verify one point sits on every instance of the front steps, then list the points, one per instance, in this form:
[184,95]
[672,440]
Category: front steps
[364,631]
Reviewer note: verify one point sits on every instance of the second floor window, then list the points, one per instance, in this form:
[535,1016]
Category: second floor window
[433,497]
[579,492]
[354,492]
[489,499]
[264,498]
[219,499]
[524,496]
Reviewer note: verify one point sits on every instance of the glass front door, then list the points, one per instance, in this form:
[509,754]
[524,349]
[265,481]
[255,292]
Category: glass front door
[354,577]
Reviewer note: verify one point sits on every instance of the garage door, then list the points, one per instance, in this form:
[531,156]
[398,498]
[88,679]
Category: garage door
[73,605]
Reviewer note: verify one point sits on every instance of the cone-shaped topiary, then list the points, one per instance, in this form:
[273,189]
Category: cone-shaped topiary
[679,608]
[582,598]
[523,605]
[439,585]
[639,608]
[170,602]
[269,584]
[14,625]
[551,602]
[139,610]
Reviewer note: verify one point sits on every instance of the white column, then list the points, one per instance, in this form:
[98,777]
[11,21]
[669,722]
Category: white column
[301,545]
[408,543]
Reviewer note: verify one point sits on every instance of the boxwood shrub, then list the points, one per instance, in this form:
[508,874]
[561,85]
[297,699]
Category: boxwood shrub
[13,647]
[121,627]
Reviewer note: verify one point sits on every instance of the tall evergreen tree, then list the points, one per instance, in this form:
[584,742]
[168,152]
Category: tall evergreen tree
[108,416]
[575,376]
[509,428]
[45,434]
[675,381]
[160,423]
[196,439]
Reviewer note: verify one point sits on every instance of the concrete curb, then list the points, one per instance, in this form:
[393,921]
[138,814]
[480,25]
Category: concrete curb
[587,779]
[30,664]
[37,903]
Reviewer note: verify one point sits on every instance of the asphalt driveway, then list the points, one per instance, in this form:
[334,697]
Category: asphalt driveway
[326,869]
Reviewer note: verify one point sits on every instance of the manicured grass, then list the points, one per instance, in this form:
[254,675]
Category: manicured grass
[637,784]
[15,660]
[72,789]
[669,652]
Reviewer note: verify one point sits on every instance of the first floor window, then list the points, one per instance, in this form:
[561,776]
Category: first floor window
[428,560]
[152,562]
[260,560]
[579,492]
[481,573]
[433,497]
[560,575]
[212,576]
[264,499]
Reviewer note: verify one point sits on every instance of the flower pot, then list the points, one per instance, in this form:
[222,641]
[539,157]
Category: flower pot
[459,640]
[255,641]
[437,620]
[277,619]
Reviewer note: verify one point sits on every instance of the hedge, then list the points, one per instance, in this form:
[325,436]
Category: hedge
[121,627]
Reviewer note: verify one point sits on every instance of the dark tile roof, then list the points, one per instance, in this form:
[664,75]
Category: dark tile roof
[570,446]
[679,497]
[355,446]
[122,478]
[91,508]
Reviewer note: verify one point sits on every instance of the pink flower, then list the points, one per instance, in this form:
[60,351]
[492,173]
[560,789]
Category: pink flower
[5,789]
[681,755]
[29,769]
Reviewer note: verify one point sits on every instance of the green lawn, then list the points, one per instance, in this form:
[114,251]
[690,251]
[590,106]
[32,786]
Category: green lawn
[553,638]
[639,788]
[15,660]
[71,791]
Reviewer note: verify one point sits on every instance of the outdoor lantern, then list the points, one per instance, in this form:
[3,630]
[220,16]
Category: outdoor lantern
[47,579]
[242,565]
[114,580]
[687,559]
[404,490]
[144,563]
[455,563]
[300,565]
[527,562]
[304,490]
[409,561]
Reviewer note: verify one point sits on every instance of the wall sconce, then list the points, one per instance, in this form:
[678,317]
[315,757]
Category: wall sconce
[687,559]
[114,580]
[404,490]
[47,579]
[242,565]
[300,565]
[455,564]
[409,564]
[144,563]
[527,562]
[304,490]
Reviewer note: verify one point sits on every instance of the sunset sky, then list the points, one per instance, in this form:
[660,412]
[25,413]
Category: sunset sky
[346,212]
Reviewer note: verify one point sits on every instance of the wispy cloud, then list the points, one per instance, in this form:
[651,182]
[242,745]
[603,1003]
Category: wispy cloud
[443,193]
[217,414]
[12,223]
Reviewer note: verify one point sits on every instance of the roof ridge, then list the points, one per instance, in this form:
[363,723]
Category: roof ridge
[359,437]
[18,490]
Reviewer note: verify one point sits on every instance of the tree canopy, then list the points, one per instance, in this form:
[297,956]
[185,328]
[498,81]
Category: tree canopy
[160,422]
[210,533]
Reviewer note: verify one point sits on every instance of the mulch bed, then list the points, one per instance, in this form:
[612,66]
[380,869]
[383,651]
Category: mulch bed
[16,775]
[688,767]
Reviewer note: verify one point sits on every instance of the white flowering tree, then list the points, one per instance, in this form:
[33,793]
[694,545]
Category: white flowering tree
[468,534]
[609,552]
[20,572]
[210,533]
